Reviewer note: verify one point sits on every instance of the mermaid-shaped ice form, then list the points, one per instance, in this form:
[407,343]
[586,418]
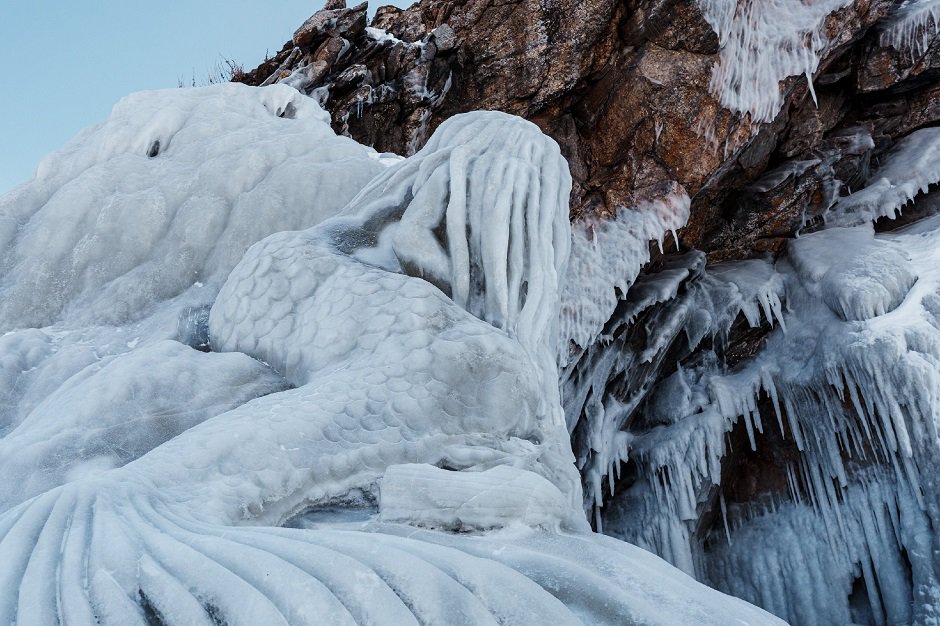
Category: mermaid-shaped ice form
[390,371]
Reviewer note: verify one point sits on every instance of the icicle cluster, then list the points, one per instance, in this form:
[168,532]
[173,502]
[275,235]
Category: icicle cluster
[606,257]
[664,317]
[909,169]
[841,400]
[913,28]
[762,43]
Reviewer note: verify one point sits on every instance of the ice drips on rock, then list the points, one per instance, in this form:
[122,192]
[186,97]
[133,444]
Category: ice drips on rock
[762,43]
[832,418]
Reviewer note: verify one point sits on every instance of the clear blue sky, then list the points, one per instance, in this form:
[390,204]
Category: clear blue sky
[67,62]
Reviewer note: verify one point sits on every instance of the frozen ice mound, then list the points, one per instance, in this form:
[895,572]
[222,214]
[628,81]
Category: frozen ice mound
[169,191]
[428,496]
[365,314]
[857,275]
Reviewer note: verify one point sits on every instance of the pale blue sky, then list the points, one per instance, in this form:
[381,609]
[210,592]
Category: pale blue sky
[66,62]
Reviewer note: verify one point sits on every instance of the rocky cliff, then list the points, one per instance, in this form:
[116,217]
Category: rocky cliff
[745,126]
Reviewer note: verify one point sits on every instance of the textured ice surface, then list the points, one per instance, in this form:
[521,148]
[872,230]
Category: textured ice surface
[909,169]
[120,407]
[859,554]
[849,392]
[762,43]
[170,191]
[111,255]
[415,330]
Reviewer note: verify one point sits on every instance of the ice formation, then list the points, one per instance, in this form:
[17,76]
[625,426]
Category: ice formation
[169,192]
[380,375]
[606,257]
[762,43]
[833,418]
[913,28]
[911,167]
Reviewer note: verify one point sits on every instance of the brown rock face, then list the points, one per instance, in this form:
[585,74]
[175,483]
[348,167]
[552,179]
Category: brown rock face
[625,88]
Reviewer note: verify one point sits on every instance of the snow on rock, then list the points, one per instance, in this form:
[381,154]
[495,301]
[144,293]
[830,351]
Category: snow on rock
[858,276]
[909,169]
[762,43]
[418,325]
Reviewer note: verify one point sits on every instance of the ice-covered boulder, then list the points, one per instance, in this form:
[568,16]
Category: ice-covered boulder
[170,191]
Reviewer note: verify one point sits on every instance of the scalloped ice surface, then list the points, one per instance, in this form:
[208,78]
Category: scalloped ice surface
[413,332]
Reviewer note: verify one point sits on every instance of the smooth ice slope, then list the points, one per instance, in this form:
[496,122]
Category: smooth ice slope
[410,338]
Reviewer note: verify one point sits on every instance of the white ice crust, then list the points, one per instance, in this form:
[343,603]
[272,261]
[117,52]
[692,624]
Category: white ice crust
[389,336]
[909,169]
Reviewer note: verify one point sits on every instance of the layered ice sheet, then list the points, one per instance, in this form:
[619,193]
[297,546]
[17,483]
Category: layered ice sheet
[401,352]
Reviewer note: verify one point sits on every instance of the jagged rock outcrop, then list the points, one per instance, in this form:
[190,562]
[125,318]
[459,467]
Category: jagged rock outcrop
[766,116]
